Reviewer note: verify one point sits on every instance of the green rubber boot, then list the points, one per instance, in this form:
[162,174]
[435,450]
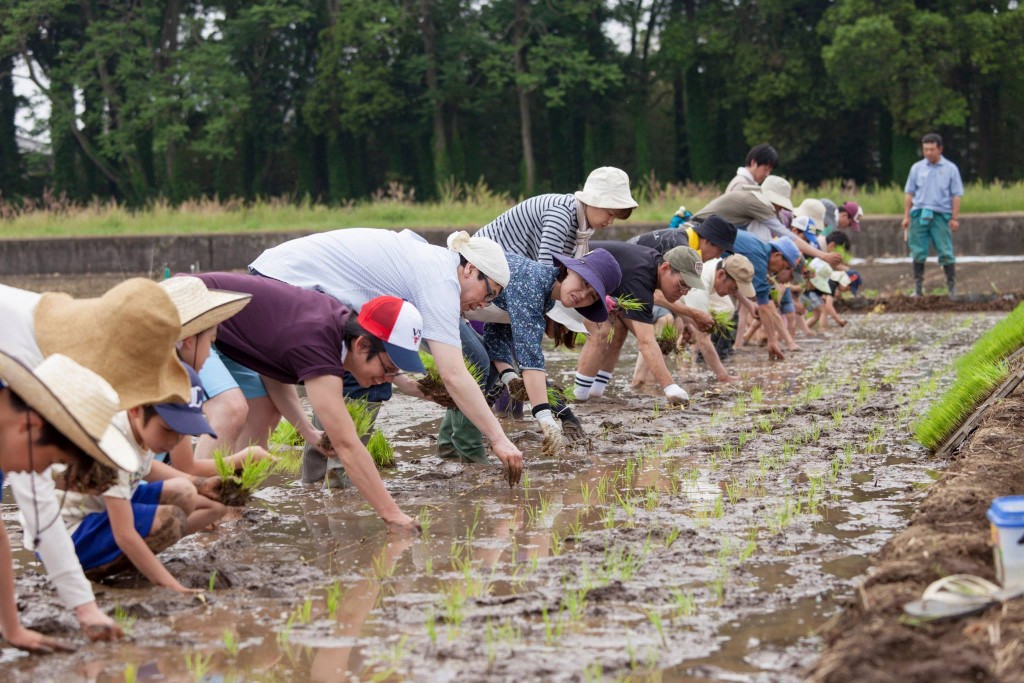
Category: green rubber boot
[459,438]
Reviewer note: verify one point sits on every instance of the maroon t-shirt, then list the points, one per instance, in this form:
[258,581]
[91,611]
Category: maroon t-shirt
[287,333]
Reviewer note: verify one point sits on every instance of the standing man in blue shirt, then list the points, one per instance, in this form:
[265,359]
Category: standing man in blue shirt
[932,210]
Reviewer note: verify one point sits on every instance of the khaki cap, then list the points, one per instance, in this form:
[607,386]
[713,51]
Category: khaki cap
[688,262]
[740,269]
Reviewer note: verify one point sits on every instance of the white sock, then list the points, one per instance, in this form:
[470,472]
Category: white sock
[600,383]
[582,387]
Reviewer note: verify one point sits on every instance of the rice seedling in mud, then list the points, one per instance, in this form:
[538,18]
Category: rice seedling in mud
[230,641]
[381,450]
[198,665]
[131,672]
[433,387]
[668,339]
[237,487]
[978,373]
[332,598]
[125,620]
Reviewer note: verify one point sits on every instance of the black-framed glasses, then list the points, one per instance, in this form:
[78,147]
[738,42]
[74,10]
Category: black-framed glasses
[491,296]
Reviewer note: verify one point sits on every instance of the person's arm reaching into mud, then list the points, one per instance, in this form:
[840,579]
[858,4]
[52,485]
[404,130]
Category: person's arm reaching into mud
[655,359]
[771,322]
[325,396]
[286,399]
[467,396]
[701,320]
[122,524]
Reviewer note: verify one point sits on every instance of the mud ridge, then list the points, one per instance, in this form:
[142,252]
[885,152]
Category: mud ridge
[948,534]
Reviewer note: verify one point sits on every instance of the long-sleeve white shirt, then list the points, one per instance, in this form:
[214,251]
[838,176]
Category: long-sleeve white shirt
[55,549]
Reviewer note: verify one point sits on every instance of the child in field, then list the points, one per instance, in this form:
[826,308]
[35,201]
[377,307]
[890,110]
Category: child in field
[202,310]
[134,520]
[823,284]
[57,413]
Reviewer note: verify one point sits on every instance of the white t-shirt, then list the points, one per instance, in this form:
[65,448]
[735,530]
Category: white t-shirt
[17,338]
[709,300]
[355,265]
[78,505]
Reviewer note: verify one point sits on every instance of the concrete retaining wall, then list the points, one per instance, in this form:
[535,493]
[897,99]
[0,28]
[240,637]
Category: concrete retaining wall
[983,234]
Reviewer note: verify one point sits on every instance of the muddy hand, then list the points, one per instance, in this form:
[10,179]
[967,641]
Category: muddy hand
[775,353]
[404,524]
[553,438]
[703,321]
[511,457]
[96,624]
[208,487]
[33,641]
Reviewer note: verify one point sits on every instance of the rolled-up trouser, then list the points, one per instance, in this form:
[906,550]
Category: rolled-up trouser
[458,437]
[936,231]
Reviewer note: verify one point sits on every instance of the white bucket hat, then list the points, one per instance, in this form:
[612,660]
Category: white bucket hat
[607,188]
[200,307]
[813,209]
[77,402]
[821,273]
[776,190]
[486,254]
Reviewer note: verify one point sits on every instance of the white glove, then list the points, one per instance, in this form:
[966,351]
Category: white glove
[676,394]
[508,376]
[552,428]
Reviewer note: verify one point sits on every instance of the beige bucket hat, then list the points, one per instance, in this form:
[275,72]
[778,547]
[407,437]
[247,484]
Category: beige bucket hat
[77,402]
[126,336]
[776,190]
[813,209]
[199,306]
[607,188]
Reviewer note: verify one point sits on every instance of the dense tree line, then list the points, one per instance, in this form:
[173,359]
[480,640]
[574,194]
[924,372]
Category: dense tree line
[335,99]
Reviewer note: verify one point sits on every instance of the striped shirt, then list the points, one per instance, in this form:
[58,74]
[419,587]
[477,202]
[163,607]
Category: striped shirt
[537,228]
[358,264]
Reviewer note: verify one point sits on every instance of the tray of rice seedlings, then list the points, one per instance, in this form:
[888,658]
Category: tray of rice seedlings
[237,487]
[722,323]
[432,386]
[381,450]
[363,416]
[978,373]
[668,339]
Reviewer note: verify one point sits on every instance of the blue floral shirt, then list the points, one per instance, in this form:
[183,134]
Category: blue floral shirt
[526,299]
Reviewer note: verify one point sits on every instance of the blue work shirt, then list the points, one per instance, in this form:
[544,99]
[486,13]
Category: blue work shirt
[758,252]
[934,185]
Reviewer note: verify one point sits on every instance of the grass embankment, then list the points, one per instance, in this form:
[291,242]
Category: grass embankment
[978,373]
[458,207]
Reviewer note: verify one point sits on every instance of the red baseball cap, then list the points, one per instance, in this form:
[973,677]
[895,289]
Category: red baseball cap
[399,325]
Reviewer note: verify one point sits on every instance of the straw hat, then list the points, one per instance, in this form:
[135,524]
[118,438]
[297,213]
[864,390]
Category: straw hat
[77,402]
[200,307]
[607,188]
[126,336]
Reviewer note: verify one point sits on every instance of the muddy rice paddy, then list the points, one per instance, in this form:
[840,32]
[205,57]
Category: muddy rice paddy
[711,543]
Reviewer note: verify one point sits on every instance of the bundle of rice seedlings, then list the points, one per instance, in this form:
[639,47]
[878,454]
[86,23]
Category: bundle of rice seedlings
[381,450]
[237,488]
[668,339]
[432,386]
[723,324]
[286,435]
[978,373]
[581,338]
[841,250]
[556,395]
[628,302]
[362,417]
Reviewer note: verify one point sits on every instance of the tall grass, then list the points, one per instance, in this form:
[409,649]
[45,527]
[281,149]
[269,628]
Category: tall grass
[458,206]
[978,373]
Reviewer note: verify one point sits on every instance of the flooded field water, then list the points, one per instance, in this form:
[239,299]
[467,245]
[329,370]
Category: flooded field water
[706,543]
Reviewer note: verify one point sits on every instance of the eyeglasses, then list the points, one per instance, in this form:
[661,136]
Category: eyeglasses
[491,295]
[388,369]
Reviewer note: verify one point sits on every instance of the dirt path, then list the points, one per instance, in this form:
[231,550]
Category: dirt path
[706,543]
[949,534]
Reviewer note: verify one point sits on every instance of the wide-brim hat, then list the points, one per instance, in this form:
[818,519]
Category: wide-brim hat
[813,209]
[718,231]
[127,337]
[789,250]
[777,190]
[600,270]
[607,188]
[77,402]
[569,318]
[200,307]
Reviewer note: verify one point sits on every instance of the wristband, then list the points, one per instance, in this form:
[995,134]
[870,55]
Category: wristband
[539,407]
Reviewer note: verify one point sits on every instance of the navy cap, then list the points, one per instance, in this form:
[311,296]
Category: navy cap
[718,231]
[187,418]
